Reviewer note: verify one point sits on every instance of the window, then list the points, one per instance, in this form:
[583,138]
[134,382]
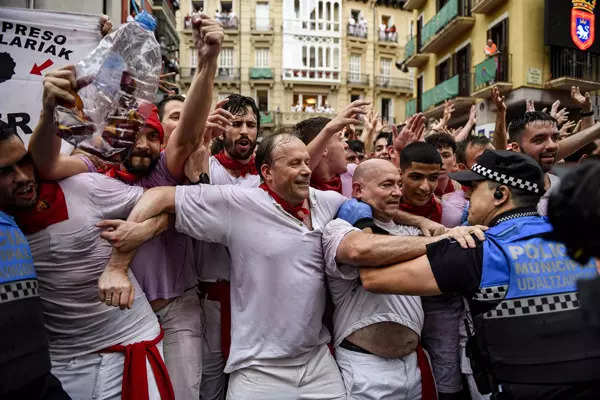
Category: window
[297,8]
[442,72]
[386,110]
[193,58]
[354,97]
[262,58]
[262,17]
[226,6]
[355,68]
[198,5]
[262,100]
[386,70]
[226,62]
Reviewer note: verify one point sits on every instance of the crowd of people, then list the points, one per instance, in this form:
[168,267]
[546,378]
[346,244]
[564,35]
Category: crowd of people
[400,262]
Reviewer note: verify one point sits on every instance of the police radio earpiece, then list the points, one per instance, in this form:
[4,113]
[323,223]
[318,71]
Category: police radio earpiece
[498,194]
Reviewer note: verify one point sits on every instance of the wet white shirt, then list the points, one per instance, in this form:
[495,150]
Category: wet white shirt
[277,268]
[356,308]
[69,258]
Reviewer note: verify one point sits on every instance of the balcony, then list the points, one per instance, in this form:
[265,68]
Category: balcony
[446,26]
[414,4]
[227,76]
[230,23]
[261,25]
[388,83]
[570,67]
[267,118]
[293,117]
[486,6]
[388,37]
[311,75]
[312,27]
[493,71]
[261,73]
[165,14]
[411,57]
[186,75]
[359,31]
[357,79]
[411,108]
[456,88]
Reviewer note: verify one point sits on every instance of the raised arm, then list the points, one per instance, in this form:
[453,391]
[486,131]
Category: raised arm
[188,134]
[585,102]
[348,116]
[464,132]
[500,140]
[571,144]
[44,145]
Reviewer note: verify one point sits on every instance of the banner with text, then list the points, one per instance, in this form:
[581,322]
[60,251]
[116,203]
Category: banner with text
[33,42]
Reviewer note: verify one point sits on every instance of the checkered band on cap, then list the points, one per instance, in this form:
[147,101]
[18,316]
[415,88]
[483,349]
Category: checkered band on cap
[504,179]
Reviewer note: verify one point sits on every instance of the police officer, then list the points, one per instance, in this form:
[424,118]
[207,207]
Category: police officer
[530,340]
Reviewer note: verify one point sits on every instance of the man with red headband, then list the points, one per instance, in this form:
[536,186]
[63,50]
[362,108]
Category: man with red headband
[164,266]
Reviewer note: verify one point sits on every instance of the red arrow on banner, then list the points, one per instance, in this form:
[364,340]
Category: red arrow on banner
[35,70]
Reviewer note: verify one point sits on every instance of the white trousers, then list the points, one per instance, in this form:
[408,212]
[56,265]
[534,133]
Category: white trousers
[181,321]
[317,379]
[370,377]
[98,376]
[214,380]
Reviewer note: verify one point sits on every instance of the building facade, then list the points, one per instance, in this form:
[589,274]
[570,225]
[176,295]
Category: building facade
[304,58]
[446,50]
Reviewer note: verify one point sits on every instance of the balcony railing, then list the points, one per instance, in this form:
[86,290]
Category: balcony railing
[491,70]
[357,78]
[357,30]
[315,27]
[166,8]
[451,10]
[186,72]
[411,107]
[261,24]
[227,74]
[393,83]
[311,74]
[261,73]
[486,6]
[571,63]
[229,22]
[409,50]
[458,85]
[387,36]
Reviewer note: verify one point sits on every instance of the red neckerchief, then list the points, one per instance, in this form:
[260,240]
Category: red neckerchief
[235,165]
[297,211]
[51,208]
[118,173]
[439,192]
[432,210]
[334,184]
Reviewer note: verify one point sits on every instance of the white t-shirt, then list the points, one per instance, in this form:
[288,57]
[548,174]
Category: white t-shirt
[542,206]
[213,261]
[356,308]
[277,268]
[69,258]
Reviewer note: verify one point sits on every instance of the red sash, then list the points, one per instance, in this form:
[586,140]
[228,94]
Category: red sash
[219,291]
[235,165]
[432,210]
[428,390]
[118,173]
[135,378]
[334,184]
[297,211]
[51,208]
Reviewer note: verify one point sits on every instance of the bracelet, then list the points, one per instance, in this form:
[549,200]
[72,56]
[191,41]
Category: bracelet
[586,114]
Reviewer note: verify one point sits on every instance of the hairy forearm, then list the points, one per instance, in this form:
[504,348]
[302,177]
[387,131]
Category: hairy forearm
[370,250]
[464,132]
[317,146]
[571,144]
[155,201]
[500,135]
[44,145]
[406,218]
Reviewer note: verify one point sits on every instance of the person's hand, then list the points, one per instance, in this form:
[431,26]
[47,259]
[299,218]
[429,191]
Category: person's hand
[498,99]
[448,110]
[218,121]
[124,236]
[115,288]
[349,132]
[464,235]
[431,228]
[584,101]
[472,115]
[561,116]
[105,25]
[208,36]
[164,85]
[348,116]
[529,106]
[59,89]
[411,132]
[566,128]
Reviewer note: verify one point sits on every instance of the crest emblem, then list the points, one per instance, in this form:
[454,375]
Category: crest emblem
[583,23]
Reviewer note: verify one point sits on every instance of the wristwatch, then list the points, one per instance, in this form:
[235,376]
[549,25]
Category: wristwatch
[204,178]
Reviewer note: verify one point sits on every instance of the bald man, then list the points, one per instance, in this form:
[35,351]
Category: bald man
[376,336]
